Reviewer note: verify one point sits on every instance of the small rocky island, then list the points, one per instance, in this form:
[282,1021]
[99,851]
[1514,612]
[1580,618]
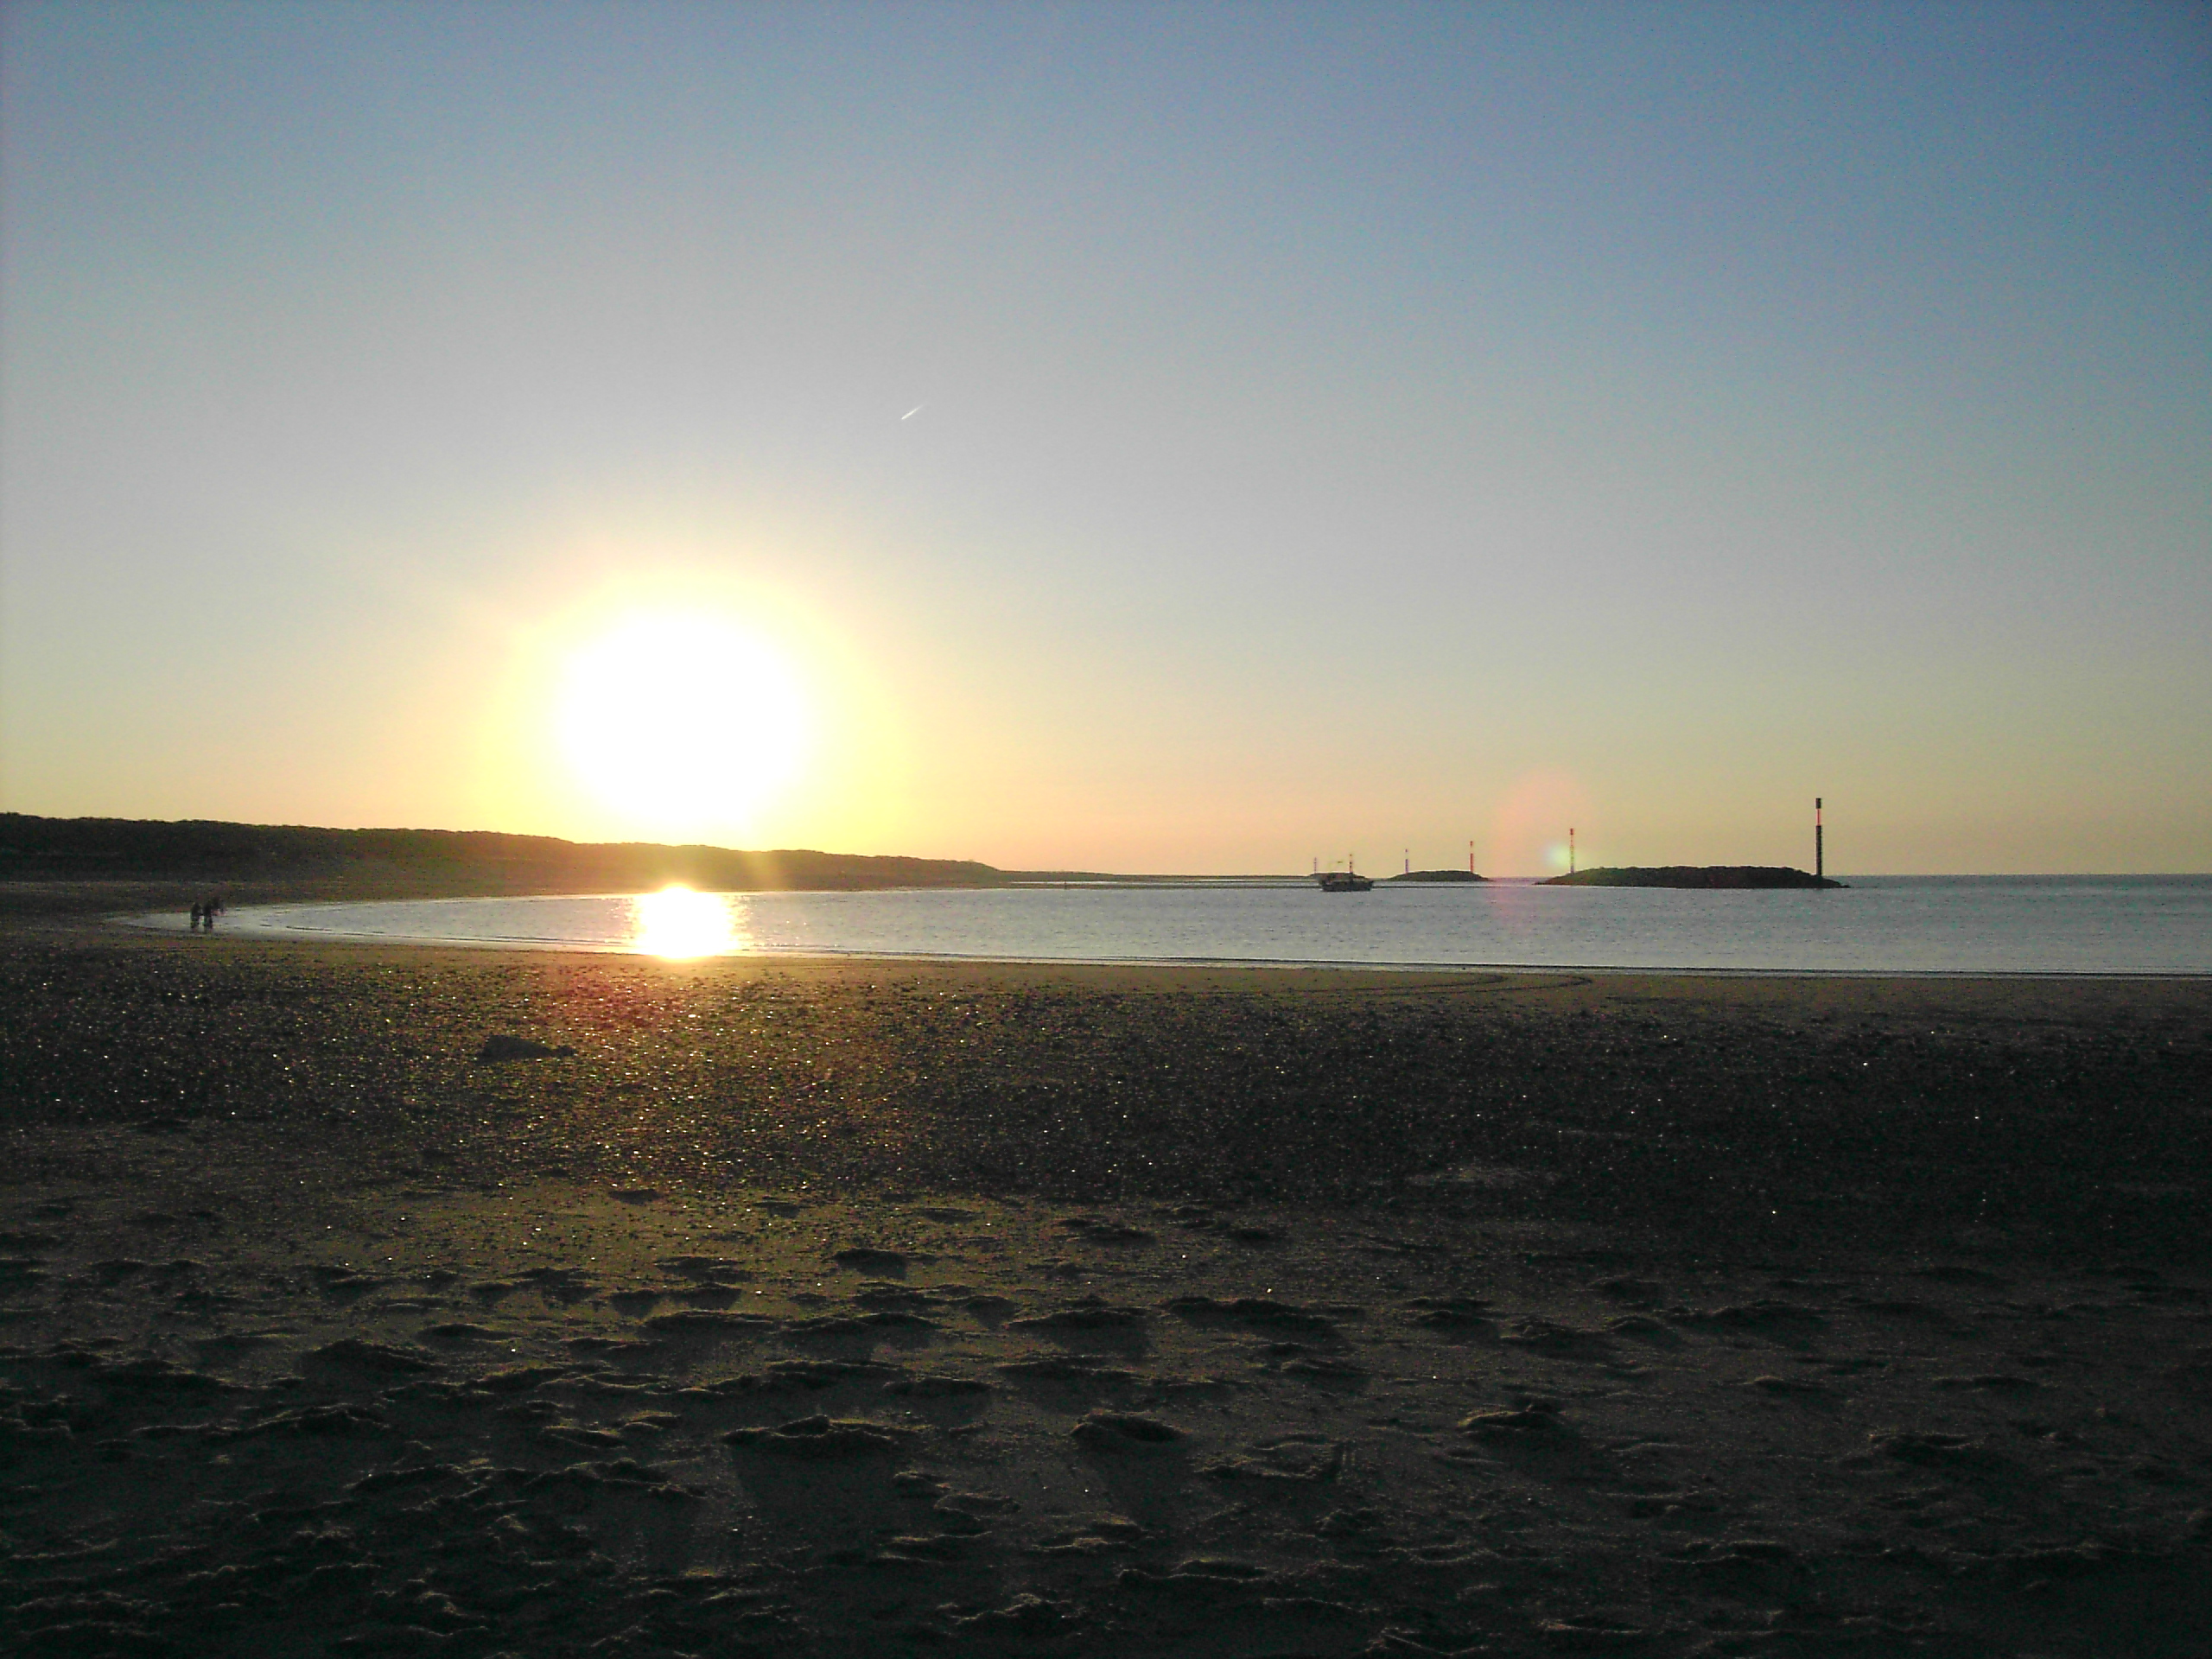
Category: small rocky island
[1435,875]
[1730,876]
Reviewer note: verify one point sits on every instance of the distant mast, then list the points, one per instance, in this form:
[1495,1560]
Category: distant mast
[1570,850]
[1471,855]
[1820,866]
[1409,861]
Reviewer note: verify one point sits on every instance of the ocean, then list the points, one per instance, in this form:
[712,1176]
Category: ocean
[1917,924]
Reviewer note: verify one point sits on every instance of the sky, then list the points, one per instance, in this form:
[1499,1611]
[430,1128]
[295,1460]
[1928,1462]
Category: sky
[1202,438]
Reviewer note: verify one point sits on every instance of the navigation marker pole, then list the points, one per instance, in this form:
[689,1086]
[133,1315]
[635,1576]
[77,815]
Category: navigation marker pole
[1570,850]
[1819,853]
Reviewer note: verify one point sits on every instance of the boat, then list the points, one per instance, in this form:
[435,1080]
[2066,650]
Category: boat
[1348,879]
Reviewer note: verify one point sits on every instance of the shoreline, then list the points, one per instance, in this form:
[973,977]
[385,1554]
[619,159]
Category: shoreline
[1173,965]
[165,922]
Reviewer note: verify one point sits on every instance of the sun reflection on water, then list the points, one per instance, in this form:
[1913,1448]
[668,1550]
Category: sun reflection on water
[676,924]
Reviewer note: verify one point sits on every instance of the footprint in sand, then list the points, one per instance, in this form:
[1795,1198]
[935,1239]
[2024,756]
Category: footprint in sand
[1556,1341]
[707,1295]
[1777,1320]
[823,1438]
[375,1358]
[1124,1431]
[1079,1369]
[1460,1313]
[1787,1387]
[863,1258]
[706,1322]
[718,1268]
[1097,1230]
[610,1347]
[926,1385]
[1539,1420]
[1111,1532]
[1253,1312]
[796,1376]
[1935,1451]
[976,1504]
[343,1283]
[1318,1369]
[577,1434]
[1294,1460]
[1636,1293]
[899,1298]
[518,1379]
[563,1285]
[838,1327]
[1088,1315]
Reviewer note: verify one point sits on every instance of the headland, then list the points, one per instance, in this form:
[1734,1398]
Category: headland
[436,863]
[1729,877]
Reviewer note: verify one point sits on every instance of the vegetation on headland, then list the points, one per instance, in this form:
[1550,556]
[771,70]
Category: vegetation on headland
[1435,875]
[1730,876]
[438,860]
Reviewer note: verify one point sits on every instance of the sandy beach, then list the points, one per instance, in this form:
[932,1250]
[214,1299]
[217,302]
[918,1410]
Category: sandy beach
[862,1307]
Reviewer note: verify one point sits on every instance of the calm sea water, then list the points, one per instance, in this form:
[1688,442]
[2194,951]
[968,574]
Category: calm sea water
[2035,925]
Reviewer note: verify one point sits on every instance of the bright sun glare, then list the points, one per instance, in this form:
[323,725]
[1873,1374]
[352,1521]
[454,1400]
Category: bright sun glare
[683,722]
[677,922]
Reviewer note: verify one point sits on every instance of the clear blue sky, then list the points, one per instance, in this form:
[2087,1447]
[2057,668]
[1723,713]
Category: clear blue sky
[1170,437]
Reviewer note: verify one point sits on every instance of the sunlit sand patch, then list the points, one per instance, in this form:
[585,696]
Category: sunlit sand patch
[677,923]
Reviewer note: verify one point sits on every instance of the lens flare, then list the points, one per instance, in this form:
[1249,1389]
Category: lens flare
[1529,835]
[677,925]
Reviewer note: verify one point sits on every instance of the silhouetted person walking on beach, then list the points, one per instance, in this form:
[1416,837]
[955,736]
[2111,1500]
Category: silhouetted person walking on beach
[195,915]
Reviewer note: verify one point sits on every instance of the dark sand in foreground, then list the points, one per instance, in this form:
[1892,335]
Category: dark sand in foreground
[875,1308]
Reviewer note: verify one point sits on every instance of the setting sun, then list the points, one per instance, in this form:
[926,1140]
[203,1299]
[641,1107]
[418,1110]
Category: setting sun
[679,924]
[682,722]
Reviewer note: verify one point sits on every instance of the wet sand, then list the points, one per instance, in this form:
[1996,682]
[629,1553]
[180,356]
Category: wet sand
[853,1308]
